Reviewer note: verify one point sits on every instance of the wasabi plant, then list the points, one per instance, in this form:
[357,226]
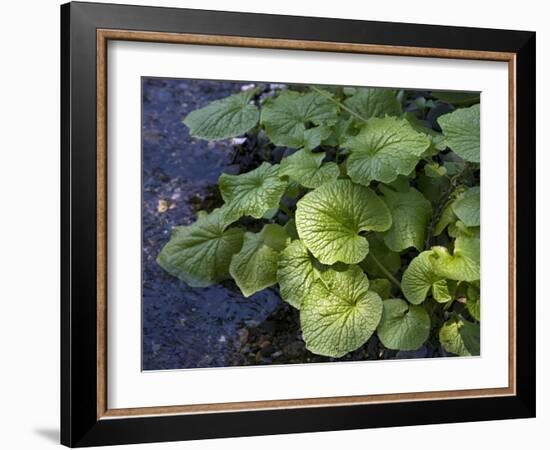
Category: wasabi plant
[368,224]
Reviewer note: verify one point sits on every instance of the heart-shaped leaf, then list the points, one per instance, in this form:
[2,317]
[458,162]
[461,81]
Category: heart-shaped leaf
[403,326]
[330,218]
[286,117]
[199,254]
[307,168]
[461,131]
[253,193]
[339,313]
[411,213]
[384,149]
[296,273]
[255,267]
[229,117]
[419,277]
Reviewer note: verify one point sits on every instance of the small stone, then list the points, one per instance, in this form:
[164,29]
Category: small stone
[238,140]
[162,206]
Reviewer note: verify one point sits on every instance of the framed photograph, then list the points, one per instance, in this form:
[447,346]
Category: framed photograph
[277,224]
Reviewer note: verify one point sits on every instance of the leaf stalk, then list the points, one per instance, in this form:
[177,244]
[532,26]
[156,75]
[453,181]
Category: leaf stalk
[339,103]
[386,271]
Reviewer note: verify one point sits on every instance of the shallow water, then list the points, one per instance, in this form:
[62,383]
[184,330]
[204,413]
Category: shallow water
[185,327]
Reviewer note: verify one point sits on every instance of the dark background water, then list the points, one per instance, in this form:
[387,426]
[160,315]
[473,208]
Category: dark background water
[186,327]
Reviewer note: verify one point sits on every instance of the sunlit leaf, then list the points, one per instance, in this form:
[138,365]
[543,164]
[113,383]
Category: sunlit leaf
[199,254]
[255,266]
[330,219]
[339,313]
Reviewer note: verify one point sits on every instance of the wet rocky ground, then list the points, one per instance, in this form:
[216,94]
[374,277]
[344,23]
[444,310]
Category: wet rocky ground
[186,327]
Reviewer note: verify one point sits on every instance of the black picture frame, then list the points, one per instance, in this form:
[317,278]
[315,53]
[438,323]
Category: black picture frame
[80,425]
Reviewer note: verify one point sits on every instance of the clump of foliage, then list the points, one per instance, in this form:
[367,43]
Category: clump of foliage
[369,223]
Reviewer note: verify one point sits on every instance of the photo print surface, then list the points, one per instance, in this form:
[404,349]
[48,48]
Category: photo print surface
[286,223]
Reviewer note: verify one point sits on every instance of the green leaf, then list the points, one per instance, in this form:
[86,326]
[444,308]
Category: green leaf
[419,277]
[381,286]
[291,231]
[453,168]
[403,326]
[447,217]
[293,189]
[384,149]
[390,260]
[199,254]
[255,267]
[432,188]
[463,264]
[436,139]
[472,302]
[458,229]
[253,193]
[460,337]
[411,214]
[374,102]
[286,117]
[341,131]
[434,170]
[221,119]
[461,131]
[339,313]
[330,218]
[401,183]
[307,168]
[457,98]
[296,273]
[440,291]
[271,213]
[314,136]
[466,207]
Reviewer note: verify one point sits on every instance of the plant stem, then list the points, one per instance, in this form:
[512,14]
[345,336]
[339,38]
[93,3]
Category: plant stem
[386,271]
[339,103]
